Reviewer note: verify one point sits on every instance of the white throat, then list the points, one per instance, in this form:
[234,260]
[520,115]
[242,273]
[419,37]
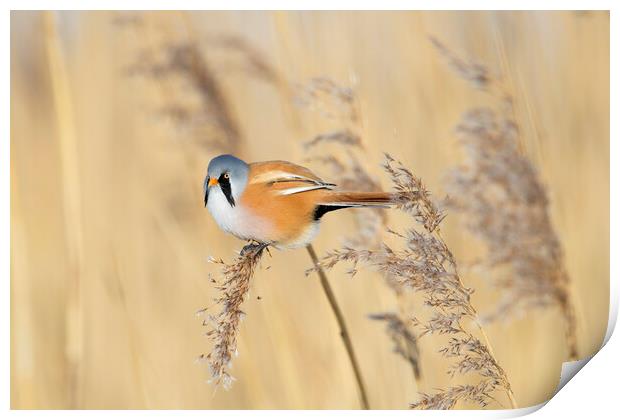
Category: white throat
[226,216]
[235,219]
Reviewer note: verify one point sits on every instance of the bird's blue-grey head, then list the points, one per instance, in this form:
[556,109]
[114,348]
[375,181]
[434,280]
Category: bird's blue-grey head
[228,173]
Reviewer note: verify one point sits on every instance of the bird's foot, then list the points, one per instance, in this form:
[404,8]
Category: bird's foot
[254,247]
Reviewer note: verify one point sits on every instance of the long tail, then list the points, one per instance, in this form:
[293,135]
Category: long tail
[358,199]
[336,200]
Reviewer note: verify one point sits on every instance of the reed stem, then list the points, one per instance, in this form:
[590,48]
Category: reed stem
[511,395]
[71,199]
[487,342]
[344,332]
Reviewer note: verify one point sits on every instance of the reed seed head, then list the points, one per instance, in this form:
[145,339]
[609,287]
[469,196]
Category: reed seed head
[224,326]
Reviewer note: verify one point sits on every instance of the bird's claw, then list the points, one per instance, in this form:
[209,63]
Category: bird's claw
[254,247]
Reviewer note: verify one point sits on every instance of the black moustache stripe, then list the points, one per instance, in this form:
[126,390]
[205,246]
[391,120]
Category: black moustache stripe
[206,189]
[225,185]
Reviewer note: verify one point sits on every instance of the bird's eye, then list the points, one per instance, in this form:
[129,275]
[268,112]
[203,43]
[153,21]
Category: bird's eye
[226,175]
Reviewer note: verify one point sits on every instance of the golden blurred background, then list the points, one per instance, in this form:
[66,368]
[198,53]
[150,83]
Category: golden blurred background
[110,239]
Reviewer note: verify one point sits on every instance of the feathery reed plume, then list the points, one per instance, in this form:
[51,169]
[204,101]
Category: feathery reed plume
[329,99]
[405,342]
[206,116]
[502,201]
[427,265]
[470,70]
[179,64]
[224,327]
[334,102]
[350,174]
[342,151]
[498,192]
[250,58]
[343,137]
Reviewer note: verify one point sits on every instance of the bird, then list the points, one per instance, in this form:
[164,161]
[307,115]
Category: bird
[276,203]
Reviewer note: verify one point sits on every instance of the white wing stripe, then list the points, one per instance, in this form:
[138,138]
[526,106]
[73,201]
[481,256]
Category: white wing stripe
[296,190]
[281,176]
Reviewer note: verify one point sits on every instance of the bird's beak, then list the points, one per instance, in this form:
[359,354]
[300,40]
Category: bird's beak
[211,182]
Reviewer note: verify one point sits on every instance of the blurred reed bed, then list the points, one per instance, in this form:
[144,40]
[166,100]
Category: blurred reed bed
[342,151]
[427,266]
[502,201]
[71,199]
[403,339]
[499,194]
[193,97]
[123,160]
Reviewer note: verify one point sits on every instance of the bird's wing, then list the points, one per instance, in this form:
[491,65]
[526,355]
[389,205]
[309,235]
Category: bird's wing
[286,178]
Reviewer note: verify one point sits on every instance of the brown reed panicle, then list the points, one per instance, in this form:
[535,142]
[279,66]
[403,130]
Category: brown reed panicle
[426,265]
[349,174]
[248,57]
[470,70]
[342,150]
[405,341]
[193,97]
[224,326]
[203,110]
[328,98]
[343,137]
[502,201]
